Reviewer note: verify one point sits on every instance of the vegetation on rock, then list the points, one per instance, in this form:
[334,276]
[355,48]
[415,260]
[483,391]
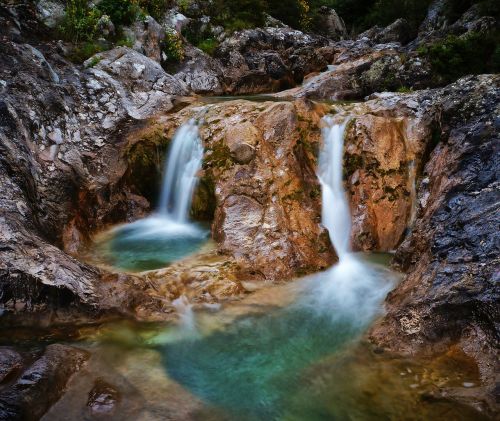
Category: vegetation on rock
[455,56]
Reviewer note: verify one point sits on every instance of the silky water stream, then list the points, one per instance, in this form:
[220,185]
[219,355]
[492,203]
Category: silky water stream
[168,234]
[288,352]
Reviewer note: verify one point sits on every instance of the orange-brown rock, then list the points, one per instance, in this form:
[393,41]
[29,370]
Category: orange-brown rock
[260,157]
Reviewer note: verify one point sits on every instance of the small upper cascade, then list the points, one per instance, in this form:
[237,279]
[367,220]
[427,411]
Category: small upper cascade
[179,181]
[335,208]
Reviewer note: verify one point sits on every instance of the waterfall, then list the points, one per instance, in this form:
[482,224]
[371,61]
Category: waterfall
[352,290]
[335,209]
[179,180]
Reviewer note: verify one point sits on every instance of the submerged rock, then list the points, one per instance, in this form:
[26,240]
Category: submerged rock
[41,384]
[103,398]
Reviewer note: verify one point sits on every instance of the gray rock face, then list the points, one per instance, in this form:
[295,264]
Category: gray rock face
[270,59]
[50,12]
[330,24]
[10,362]
[361,68]
[200,72]
[60,144]
[398,31]
[147,36]
[141,83]
[450,292]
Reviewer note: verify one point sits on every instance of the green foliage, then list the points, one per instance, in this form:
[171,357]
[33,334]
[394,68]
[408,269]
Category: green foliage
[404,90]
[455,56]
[121,12]
[385,12]
[172,47]
[95,61]
[294,13]
[125,42]
[155,8]
[80,21]
[83,51]
[208,46]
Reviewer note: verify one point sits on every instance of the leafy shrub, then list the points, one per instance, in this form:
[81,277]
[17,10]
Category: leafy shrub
[83,51]
[208,46]
[121,12]
[80,21]
[458,56]
[172,47]
[294,13]
[155,8]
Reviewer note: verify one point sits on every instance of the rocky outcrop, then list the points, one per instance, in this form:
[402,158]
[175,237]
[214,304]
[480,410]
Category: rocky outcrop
[147,36]
[59,140]
[200,72]
[270,59]
[330,24]
[438,24]
[260,159]
[32,394]
[450,292]
[398,31]
[361,68]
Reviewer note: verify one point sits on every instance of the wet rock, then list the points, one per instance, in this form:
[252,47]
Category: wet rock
[10,363]
[60,153]
[261,160]
[41,384]
[449,295]
[103,398]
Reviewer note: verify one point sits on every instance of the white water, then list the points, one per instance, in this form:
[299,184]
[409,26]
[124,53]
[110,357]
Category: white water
[179,181]
[335,210]
[351,289]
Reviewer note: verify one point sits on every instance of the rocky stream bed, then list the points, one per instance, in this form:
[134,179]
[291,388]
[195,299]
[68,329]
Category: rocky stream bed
[82,150]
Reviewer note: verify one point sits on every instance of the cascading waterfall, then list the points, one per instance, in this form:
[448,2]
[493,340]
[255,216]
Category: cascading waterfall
[255,364]
[167,235]
[351,288]
[335,209]
[184,161]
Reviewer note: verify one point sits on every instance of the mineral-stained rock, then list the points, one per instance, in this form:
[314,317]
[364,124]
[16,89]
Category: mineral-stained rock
[59,135]
[261,160]
[41,384]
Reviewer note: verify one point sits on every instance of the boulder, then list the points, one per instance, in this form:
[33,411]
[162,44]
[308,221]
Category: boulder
[199,72]
[147,36]
[270,59]
[50,12]
[330,24]
[398,31]
[10,363]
